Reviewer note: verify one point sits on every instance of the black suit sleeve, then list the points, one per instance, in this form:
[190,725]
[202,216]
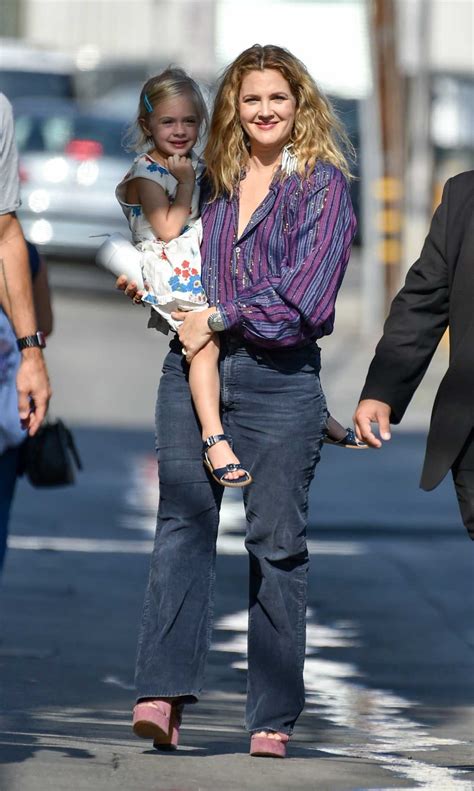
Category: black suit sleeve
[417,320]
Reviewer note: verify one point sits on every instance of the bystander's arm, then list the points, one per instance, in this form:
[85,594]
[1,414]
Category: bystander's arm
[16,294]
[16,297]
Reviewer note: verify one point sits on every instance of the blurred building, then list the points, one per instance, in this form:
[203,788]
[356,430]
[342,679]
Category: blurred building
[436,56]
[406,66]
[100,32]
[436,50]
[117,41]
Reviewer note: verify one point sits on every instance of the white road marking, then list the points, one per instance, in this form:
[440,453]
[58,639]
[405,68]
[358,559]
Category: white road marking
[63,544]
[377,719]
[226,545]
[378,724]
[139,514]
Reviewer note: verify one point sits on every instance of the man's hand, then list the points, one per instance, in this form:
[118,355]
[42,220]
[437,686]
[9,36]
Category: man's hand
[371,411]
[33,389]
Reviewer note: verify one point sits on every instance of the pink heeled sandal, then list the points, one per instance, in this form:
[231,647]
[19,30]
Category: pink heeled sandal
[265,747]
[159,720]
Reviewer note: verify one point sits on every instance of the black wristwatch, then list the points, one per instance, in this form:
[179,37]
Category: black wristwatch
[31,341]
[215,322]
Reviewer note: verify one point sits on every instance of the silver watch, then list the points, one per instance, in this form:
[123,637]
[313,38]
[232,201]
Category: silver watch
[215,322]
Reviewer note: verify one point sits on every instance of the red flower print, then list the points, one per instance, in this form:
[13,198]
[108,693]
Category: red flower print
[185,264]
[194,272]
[185,274]
[177,270]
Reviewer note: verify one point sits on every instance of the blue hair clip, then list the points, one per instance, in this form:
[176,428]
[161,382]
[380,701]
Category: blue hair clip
[147,103]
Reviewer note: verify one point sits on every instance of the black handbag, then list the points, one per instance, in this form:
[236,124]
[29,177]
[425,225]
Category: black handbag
[47,457]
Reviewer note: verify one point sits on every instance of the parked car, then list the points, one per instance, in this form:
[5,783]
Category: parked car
[71,160]
[29,71]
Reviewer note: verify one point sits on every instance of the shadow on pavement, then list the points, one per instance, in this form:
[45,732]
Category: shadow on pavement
[390,640]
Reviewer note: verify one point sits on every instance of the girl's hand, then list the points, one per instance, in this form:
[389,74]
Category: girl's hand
[182,169]
[194,332]
[130,289]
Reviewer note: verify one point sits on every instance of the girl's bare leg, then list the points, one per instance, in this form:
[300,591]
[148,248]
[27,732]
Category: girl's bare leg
[334,429]
[204,386]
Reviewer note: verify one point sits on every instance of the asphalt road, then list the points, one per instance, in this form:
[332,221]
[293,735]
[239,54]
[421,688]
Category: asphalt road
[390,638]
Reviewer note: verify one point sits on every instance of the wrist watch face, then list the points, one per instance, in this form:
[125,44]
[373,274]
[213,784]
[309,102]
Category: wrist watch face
[216,322]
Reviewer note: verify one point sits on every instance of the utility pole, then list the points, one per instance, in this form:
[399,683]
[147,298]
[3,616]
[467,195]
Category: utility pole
[370,157]
[420,165]
[389,191]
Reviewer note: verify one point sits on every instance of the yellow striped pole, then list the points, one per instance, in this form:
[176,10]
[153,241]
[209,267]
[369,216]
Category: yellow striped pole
[388,193]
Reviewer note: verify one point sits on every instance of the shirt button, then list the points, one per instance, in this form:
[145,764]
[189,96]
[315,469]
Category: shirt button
[237,249]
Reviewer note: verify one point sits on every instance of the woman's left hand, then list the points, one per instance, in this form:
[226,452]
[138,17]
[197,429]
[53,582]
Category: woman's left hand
[194,332]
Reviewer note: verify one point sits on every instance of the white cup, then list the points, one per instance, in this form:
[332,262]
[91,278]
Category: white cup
[120,257]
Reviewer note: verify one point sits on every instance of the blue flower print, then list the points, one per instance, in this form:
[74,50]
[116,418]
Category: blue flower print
[153,168]
[150,299]
[195,284]
[136,211]
[176,285]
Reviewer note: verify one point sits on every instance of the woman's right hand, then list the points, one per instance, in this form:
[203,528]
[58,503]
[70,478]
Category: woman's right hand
[130,289]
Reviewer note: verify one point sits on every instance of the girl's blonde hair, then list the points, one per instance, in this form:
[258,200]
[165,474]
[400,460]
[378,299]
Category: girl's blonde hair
[317,133]
[169,84]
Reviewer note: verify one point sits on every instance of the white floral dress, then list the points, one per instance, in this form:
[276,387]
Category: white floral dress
[172,269]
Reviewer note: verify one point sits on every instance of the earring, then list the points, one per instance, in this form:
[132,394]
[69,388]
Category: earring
[289,160]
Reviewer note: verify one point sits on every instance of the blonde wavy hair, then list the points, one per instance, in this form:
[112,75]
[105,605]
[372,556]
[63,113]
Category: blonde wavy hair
[168,84]
[317,133]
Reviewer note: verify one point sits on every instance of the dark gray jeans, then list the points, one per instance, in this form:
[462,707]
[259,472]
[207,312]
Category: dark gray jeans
[275,410]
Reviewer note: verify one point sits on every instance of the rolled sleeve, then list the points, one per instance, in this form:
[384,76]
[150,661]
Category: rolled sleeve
[9,178]
[231,315]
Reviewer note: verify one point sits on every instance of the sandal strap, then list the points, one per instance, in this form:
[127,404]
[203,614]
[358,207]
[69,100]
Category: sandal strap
[221,471]
[215,438]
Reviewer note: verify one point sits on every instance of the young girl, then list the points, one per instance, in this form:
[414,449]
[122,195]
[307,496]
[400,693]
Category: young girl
[160,199]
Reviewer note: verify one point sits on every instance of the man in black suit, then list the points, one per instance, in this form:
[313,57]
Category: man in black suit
[438,293]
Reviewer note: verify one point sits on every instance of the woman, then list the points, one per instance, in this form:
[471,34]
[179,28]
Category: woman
[278,226]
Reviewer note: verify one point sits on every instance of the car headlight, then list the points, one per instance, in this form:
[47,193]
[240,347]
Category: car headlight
[38,201]
[56,170]
[41,232]
[87,173]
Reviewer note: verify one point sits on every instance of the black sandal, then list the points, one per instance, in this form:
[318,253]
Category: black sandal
[219,473]
[349,441]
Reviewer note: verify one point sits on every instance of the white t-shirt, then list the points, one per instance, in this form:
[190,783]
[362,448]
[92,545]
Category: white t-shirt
[9,179]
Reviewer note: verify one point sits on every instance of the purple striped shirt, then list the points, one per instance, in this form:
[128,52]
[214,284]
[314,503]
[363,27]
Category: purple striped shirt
[277,285]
